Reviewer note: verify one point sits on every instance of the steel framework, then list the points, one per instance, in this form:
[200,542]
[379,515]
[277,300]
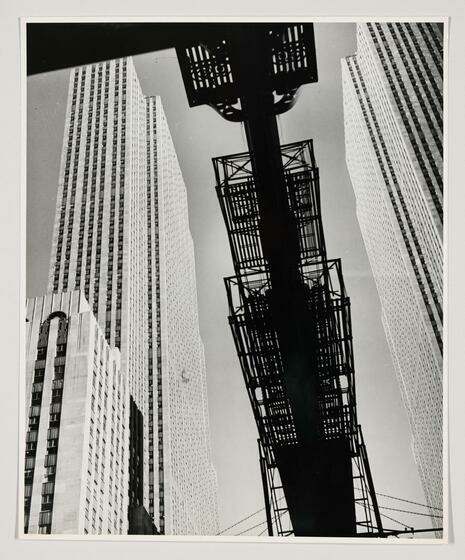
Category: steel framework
[211,69]
[257,340]
[238,199]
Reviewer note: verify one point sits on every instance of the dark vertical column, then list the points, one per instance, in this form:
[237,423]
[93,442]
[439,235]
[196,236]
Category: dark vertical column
[34,418]
[140,521]
[266,493]
[136,461]
[278,231]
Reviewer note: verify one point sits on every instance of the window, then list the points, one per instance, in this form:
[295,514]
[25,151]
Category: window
[45,518]
[47,501]
[48,488]
[57,384]
[34,411]
[50,460]
[52,433]
[55,408]
[57,394]
[31,436]
[39,375]
[52,443]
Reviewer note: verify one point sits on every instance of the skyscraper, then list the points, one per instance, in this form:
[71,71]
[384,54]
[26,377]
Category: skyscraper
[121,237]
[77,431]
[393,112]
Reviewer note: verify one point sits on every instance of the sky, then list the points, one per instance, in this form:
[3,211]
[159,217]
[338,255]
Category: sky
[198,135]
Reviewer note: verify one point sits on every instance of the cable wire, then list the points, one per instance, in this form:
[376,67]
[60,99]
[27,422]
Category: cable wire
[244,519]
[240,521]
[411,512]
[380,507]
[383,514]
[402,500]
[250,528]
[258,525]
[408,501]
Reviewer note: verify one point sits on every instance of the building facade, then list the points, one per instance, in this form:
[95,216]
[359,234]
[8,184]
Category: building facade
[77,429]
[121,237]
[393,117]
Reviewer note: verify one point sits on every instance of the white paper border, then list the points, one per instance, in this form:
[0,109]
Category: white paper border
[211,538]
[9,293]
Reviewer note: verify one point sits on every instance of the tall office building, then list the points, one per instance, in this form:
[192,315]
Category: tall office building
[393,112]
[77,425]
[122,238]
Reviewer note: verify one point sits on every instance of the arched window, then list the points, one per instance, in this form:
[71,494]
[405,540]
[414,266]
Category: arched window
[55,314]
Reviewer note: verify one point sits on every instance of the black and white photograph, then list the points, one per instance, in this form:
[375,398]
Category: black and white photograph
[234,280]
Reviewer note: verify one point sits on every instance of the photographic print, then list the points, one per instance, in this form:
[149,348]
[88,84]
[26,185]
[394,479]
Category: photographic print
[234,318]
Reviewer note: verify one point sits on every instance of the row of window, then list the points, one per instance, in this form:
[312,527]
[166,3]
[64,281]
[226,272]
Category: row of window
[53,425]
[400,219]
[34,418]
[437,49]
[150,145]
[53,432]
[426,87]
[404,218]
[112,215]
[101,188]
[121,219]
[405,119]
[85,180]
[65,184]
[437,90]
[73,187]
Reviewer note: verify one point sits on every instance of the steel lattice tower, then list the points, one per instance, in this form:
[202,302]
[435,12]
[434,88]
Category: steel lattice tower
[288,309]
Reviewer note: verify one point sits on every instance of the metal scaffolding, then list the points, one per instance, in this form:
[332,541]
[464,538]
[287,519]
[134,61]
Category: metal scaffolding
[257,340]
[288,310]
[212,67]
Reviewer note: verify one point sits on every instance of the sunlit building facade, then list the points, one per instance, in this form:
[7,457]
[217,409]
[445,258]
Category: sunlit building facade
[77,431]
[393,113]
[121,237]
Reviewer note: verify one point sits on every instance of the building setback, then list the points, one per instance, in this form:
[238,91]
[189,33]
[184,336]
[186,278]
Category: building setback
[121,237]
[393,114]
